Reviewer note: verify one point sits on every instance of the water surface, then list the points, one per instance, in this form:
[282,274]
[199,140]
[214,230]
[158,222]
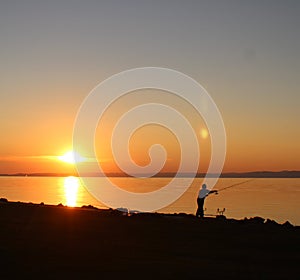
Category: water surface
[276,199]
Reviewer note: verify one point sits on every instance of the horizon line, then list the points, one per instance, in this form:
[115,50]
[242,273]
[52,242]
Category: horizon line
[233,174]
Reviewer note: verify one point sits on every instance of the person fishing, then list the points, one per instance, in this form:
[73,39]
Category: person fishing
[203,193]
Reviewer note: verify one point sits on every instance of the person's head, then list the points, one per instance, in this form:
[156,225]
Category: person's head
[204,186]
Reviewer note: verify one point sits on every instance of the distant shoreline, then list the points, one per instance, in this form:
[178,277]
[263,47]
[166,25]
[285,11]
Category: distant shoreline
[253,174]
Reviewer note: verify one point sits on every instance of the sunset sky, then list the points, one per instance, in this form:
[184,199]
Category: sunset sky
[245,54]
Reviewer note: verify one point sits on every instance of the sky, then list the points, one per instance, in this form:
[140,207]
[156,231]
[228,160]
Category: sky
[244,53]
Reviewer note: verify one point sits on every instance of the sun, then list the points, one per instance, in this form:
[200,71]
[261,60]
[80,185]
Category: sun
[71,157]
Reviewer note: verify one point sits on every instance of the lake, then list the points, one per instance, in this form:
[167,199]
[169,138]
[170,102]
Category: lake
[277,199]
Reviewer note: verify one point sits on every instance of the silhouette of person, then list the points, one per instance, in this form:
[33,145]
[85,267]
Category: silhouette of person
[203,193]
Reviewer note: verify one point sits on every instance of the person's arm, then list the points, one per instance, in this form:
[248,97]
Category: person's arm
[213,192]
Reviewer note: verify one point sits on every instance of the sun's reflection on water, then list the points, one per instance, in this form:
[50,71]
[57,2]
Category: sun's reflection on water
[71,186]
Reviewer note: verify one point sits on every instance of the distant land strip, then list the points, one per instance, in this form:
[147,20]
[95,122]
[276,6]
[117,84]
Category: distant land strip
[254,174]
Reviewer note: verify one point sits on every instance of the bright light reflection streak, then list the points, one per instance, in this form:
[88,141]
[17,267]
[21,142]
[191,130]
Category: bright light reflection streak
[71,185]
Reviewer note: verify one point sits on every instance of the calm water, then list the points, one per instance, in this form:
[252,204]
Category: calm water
[276,199]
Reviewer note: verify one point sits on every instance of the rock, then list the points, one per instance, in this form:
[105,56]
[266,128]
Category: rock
[271,223]
[123,211]
[255,220]
[88,207]
[221,218]
[287,224]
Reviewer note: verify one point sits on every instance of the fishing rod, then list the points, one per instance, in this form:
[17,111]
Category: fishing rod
[234,185]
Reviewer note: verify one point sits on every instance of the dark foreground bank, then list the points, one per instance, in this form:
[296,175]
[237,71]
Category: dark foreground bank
[54,242]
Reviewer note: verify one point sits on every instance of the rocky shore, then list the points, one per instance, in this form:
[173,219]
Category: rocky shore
[57,242]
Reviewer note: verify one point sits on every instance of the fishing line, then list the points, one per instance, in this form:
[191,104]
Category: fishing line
[234,185]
